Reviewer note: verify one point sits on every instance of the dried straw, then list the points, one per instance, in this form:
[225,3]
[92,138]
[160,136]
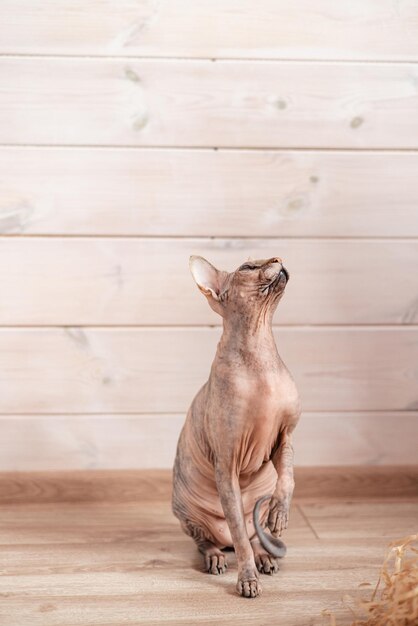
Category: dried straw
[395,604]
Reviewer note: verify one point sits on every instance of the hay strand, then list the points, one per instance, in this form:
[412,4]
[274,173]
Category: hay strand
[394,601]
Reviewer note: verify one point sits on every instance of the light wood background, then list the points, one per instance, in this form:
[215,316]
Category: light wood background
[135,133]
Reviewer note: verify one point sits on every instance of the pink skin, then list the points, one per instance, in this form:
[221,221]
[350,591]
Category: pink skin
[236,444]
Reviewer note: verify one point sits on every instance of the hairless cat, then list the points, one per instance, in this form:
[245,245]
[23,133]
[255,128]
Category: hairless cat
[233,472]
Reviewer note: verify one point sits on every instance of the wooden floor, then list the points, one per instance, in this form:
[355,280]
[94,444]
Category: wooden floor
[103,548]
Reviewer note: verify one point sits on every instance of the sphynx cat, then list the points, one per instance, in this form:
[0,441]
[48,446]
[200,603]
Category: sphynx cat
[233,472]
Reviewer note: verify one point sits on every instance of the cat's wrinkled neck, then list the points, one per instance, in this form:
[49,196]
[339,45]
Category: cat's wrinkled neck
[248,335]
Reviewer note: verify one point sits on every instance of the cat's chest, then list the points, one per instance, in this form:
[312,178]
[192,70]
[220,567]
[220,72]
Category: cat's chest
[245,414]
[263,415]
[255,444]
[268,399]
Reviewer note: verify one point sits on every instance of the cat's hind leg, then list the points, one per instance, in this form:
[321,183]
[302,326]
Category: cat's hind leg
[214,558]
[265,562]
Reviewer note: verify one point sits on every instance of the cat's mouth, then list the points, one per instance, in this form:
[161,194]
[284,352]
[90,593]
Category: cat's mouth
[284,273]
[281,278]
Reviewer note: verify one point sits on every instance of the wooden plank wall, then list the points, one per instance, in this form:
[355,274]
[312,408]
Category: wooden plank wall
[135,133]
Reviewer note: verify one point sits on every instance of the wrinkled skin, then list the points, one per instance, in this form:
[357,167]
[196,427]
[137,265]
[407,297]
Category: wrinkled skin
[236,443]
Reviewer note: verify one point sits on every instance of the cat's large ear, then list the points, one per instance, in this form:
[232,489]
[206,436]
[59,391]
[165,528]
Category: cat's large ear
[210,281]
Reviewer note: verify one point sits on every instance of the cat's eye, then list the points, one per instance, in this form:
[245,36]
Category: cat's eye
[248,266]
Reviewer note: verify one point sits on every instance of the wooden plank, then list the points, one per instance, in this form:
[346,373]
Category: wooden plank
[35,558]
[147,281]
[154,486]
[37,443]
[356,482]
[159,370]
[200,103]
[144,580]
[85,486]
[135,608]
[61,558]
[363,519]
[357,439]
[214,28]
[229,192]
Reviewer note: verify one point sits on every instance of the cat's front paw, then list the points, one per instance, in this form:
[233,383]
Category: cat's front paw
[278,516]
[248,585]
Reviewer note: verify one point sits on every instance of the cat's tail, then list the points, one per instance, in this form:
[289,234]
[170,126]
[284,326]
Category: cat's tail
[273,545]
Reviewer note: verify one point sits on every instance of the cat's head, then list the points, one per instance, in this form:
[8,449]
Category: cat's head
[254,286]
